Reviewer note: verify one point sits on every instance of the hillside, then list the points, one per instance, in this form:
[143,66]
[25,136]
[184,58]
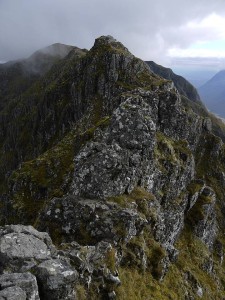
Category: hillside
[213,94]
[124,173]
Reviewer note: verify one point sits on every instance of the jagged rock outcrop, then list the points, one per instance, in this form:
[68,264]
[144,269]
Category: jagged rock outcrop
[96,265]
[190,97]
[131,153]
[14,281]
[116,162]
[31,272]
[123,156]
[23,250]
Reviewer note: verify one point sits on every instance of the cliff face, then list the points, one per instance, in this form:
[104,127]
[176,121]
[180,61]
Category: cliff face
[129,185]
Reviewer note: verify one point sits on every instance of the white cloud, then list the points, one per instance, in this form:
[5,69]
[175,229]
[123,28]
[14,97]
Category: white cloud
[212,26]
[199,38]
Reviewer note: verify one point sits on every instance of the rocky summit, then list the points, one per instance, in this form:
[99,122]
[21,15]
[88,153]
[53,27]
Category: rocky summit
[112,180]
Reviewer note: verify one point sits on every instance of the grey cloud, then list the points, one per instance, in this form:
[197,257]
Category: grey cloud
[147,28]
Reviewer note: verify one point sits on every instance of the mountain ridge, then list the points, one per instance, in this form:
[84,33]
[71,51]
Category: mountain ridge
[184,87]
[122,172]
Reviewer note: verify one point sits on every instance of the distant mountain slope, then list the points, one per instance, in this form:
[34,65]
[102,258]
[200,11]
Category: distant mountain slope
[184,87]
[17,76]
[213,93]
[40,61]
[56,49]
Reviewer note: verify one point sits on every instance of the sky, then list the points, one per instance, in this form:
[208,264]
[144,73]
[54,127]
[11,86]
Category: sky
[170,32]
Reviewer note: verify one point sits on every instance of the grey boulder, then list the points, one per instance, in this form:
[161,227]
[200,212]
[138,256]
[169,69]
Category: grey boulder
[56,280]
[22,247]
[13,293]
[16,281]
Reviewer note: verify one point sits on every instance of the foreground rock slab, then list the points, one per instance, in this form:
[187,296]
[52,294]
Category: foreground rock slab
[30,267]
[22,247]
[16,281]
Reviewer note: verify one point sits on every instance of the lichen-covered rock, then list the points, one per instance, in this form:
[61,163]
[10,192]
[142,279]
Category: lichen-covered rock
[176,122]
[90,221]
[26,281]
[90,258]
[123,156]
[22,247]
[56,280]
[116,162]
[13,293]
[169,226]
[131,152]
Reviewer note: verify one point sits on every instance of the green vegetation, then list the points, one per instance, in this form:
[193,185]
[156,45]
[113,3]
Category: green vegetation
[184,276]
[43,178]
[197,212]
[36,110]
[137,285]
[194,187]
[153,251]
[168,150]
[140,197]
[81,292]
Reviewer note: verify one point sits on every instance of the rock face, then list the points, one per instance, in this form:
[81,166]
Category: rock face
[132,195]
[13,293]
[14,241]
[78,219]
[24,281]
[23,250]
[121,157]
[52,274]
